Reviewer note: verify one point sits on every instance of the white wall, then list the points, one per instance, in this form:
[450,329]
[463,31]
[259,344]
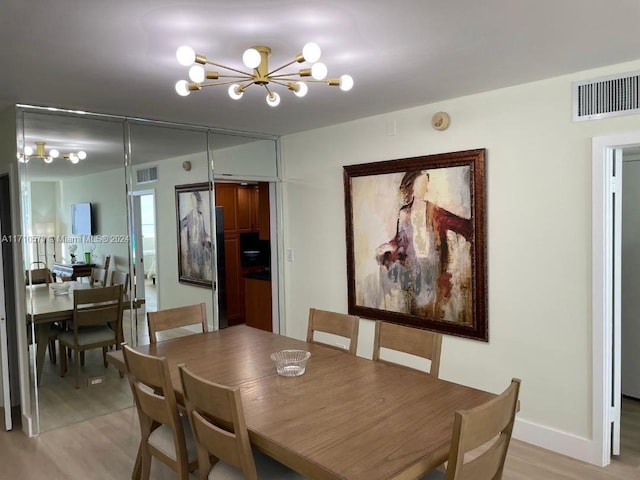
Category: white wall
[171,293]
[538,235]
[107,194]
[631,277]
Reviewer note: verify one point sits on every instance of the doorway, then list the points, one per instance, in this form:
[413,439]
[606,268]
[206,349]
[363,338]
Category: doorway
[607,192]
[145,261]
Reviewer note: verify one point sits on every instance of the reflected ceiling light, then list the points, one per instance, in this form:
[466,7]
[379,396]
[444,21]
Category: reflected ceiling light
[48,157]
[257,59]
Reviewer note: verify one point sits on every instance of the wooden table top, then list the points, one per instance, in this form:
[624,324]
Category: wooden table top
[44,307]
[346,418]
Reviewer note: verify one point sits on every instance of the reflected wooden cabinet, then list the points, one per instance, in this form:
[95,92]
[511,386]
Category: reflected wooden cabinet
[247,210]
[241,211]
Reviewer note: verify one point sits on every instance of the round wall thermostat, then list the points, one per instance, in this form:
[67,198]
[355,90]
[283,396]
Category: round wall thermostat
[186,165]
[440,121]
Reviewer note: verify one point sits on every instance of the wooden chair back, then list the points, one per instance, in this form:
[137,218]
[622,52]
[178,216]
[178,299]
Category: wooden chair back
[415,341]
[335,323]
[98,277]
[97,306]
[155,399]
[475,428]
[107,261]
[175,318]
[37,276]
[120,278]
[218,424]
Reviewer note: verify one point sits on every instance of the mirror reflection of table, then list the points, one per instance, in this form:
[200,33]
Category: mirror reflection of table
[44,308]
[72,270]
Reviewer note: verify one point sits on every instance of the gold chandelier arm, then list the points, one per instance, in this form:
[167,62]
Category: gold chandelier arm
[283,66]
[230,68]
[202,85]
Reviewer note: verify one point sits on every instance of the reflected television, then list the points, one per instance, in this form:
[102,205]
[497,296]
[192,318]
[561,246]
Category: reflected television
[81,219]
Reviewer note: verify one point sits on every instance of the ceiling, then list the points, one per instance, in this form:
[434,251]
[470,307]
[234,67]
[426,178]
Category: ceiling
[119,57]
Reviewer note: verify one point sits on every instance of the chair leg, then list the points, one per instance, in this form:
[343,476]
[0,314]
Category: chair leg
[76,367]
[145,462]
[52,351]
[63,360]
[104,357]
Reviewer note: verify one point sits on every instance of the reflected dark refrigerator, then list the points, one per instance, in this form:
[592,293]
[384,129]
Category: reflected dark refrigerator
[221,282]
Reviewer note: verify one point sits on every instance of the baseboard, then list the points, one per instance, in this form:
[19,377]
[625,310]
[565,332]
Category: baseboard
[557,441]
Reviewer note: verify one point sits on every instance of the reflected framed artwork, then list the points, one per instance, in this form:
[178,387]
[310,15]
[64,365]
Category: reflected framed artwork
[195,247]
[416,242]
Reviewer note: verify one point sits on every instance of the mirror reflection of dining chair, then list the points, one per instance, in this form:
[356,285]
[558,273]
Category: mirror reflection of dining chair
[488,426]
[98,277]
[414,341]
[41,276]
[107,261]
[339,324]
[37,276]
[97,317]
[219,429]
[120,278]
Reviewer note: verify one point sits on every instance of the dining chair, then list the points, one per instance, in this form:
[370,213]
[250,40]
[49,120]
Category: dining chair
[339,324]
[219,430]
[415,341]
[165,434]
[120,278]
[107,261]
[98,277]
[37,276]
[97,317]
[171,318]
[488,426]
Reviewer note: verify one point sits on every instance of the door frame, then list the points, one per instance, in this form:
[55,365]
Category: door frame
[606,372]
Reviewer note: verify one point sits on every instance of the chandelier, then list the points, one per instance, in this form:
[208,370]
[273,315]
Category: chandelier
[48,157]
[257,59]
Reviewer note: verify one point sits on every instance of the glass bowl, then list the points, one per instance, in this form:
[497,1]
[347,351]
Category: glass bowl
[290,363]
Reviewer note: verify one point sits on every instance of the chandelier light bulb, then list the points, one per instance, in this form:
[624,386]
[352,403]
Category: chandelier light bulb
[251,58]
[302,89]
[28,151]
[235,91]
[346,83]
[319,71]
[48,159]
[273,99]
[185,55]
[82,154]
[73,158]
[54,153]
[196,73]
[182,87]
[311,52]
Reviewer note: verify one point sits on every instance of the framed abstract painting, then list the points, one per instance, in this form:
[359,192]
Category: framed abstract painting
[416,242]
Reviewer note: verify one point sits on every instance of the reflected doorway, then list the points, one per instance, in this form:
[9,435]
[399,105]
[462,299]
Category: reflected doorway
[145,261]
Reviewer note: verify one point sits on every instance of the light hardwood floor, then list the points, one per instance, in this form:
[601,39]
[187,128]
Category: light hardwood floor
[105,448]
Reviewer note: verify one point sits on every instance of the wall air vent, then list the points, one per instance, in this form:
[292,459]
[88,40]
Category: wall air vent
[146,175]
[605,97]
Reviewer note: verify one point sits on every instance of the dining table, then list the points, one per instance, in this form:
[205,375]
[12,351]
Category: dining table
[44,307]
[345,418]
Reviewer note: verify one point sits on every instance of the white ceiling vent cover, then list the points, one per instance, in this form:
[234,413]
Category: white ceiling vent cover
[605,97]
[146,175]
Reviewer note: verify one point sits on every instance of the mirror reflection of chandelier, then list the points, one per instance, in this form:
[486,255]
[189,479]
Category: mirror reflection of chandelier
[48,156]
[257,60]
